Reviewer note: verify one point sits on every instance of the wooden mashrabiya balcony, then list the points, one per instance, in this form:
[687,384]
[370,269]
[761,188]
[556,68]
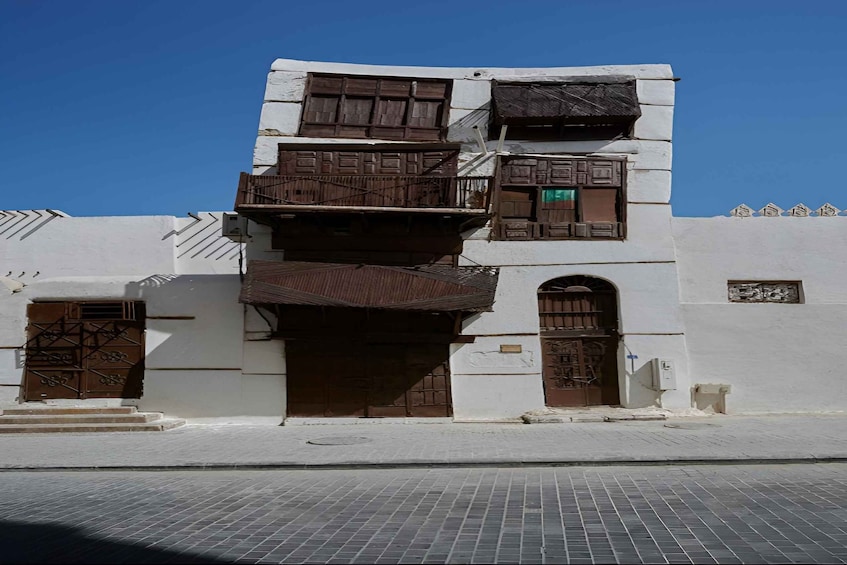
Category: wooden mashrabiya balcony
[331,193]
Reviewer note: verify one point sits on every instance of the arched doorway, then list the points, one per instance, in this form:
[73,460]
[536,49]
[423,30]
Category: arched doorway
[578,316]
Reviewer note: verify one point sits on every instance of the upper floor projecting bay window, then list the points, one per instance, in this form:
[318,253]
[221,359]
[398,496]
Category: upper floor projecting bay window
[389,108]
[560,198]
[580,109]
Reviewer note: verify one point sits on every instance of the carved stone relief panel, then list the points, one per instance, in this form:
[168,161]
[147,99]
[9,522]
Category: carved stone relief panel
[753,292]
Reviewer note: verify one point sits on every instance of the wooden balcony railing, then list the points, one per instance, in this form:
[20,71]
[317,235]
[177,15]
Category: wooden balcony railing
[256,192]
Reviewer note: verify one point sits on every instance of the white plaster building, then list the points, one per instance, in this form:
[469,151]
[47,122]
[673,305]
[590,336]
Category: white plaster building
[468,243]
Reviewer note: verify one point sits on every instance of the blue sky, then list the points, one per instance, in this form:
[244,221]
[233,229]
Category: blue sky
[151,107]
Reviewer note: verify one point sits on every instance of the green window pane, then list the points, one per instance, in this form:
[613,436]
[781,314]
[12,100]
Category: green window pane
[558,195]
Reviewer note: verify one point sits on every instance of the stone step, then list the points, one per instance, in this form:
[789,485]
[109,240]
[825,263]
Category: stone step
[157,426]
[60,410]
[136,418]
[583,418]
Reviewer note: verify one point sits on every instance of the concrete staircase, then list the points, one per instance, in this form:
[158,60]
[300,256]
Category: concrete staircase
[55,419]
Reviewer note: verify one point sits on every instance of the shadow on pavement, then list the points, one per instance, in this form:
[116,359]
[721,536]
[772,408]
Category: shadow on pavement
[57,543]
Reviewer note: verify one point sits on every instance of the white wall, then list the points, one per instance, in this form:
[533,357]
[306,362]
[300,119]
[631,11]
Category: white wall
[777,357]
[196,367]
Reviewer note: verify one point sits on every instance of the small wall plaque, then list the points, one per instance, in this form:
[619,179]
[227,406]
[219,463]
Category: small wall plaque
[510,348]
[787,292]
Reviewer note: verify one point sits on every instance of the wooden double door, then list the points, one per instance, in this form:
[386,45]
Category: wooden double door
[80,350]
[371,380]
[579,342]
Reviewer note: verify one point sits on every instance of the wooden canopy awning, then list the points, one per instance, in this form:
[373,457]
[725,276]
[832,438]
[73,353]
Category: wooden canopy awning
[585,102]
[435,288]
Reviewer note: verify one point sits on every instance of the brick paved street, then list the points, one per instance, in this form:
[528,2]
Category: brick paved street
[703,514]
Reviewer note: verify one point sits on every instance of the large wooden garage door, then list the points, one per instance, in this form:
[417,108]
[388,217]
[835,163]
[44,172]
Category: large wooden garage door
[367,380]
[84,350]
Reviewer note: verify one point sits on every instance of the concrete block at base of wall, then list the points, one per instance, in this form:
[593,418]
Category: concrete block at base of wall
[657,92]
[215,396]
[656,123]
[280,118]
[285,86]
[495,397]
[470,94]
[648,186]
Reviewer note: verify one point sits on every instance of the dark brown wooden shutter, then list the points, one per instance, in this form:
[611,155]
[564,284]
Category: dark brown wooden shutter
[599,205]
[517,203]
[390,112]
[425,113]
[322,109]
[357,110]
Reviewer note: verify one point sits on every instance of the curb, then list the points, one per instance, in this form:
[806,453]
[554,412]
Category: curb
[427,465]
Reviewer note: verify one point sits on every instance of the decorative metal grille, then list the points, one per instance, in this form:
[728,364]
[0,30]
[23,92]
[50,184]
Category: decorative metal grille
[762,292]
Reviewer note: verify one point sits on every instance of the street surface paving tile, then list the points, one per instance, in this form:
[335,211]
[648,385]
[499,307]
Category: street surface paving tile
[625,514]
[715,438]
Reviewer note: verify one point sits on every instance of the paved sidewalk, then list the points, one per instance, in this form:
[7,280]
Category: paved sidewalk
[709,440]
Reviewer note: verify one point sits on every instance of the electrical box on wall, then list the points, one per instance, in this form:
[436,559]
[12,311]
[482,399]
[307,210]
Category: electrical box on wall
[234,227]
[664,374]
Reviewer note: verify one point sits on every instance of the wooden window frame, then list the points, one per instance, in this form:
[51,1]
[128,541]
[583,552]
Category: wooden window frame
[406,132]
[535,229]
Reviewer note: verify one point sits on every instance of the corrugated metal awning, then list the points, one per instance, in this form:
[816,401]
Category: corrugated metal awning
[429,287]
[571,103]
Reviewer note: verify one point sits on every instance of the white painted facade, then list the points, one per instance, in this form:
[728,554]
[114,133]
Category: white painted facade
[181,268]
[487,384]
[671,275]
[777,357]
